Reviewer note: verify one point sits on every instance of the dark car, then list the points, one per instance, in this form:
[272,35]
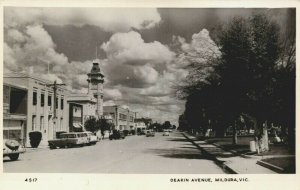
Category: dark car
[141,133]
[116,135]
[12,149]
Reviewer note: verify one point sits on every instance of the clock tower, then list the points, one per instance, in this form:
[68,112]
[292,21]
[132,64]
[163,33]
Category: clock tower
[95,86]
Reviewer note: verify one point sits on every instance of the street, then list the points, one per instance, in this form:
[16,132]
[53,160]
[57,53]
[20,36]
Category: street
[172,154]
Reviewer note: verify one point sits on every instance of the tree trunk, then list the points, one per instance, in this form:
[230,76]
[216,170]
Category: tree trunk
[234,135]
[262,141]
[265,138]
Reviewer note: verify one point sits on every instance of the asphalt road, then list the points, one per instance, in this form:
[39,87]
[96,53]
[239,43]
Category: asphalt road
[172,154]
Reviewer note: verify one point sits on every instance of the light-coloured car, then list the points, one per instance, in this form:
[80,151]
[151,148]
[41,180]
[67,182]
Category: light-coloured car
[166,133]
[92,138]
[69,140]
[84,137]
[150,133]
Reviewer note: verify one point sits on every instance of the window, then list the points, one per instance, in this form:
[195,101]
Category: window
[56,102]
[33,122]
[18,101]
[42,100]
[34,98]
[42,123]
[49,100]
[61,104]
[122,116]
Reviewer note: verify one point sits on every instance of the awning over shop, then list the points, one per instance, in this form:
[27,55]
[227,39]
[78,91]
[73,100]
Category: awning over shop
[77,125]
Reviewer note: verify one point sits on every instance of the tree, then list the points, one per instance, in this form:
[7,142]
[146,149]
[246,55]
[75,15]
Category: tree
[104,125]
[250,50]
[167,125]
[156,126]
[91,125]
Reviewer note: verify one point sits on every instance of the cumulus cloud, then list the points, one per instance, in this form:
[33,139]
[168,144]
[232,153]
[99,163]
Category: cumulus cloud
[31,46]
[132,62]
[200,50]
[51,77]
[129,48]
[201,54]
[113,94]
[137,73]
[109,103]
[109,19]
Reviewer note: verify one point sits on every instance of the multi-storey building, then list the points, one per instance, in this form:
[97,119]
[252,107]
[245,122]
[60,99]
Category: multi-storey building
[30,105]
[122,118]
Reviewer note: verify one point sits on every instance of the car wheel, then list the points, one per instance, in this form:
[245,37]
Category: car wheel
[14,157]
[69,145]
[52,147]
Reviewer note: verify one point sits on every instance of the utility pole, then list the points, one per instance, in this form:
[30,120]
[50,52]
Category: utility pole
[54,118]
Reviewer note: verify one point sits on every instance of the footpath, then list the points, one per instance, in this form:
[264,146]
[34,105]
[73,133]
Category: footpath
[230,161]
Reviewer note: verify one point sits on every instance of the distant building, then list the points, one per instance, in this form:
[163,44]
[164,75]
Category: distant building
[142,124]
[29,105]
[122,118]
[95,87]
[83,104]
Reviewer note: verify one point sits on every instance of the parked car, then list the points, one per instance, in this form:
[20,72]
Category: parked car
[68,140]
[141,133]
[166,133]
[92,138]
[12,149]
[150,133]
[116,135]
[84,137]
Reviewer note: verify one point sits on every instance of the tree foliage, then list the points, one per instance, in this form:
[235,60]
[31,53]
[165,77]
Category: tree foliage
[91,124]
[253,78]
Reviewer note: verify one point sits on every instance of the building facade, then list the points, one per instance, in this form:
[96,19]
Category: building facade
[83,105]
[30,105]
[123,119]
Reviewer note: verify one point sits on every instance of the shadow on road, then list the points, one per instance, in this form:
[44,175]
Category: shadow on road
[9,160]
[178,139]
[182,153]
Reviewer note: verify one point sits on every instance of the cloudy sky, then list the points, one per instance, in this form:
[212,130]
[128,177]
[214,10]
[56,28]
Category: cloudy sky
[143,53]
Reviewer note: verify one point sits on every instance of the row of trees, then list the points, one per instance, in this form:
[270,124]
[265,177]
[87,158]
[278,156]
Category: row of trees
[92,124]
[251,80]
[160,127]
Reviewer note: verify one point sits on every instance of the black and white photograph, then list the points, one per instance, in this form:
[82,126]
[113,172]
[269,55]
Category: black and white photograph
[145,90]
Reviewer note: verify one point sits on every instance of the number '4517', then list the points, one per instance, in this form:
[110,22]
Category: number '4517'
[31,179]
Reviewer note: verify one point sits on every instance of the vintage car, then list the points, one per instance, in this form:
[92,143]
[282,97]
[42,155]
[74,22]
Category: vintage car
[141,132]
[68,140]
[92,139]
[150,133]
[12,149]
[166,133]
[116,135]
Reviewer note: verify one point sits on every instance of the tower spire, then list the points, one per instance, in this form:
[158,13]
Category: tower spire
[96,52]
